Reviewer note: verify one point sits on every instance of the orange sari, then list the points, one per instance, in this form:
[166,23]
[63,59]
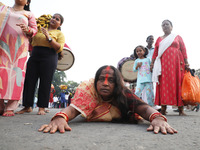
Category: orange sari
[91,106]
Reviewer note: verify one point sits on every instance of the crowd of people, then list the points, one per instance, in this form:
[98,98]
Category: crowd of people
[62,101]
[103,98]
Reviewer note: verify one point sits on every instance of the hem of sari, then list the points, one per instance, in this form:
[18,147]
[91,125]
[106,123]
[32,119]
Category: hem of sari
[78,109]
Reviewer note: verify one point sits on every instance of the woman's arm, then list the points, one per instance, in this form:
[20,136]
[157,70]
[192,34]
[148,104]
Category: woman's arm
[31,29]
[32,25]
[137,65]
[184,52]
[151,65]
[155,53]
[55,45]
[59,123]
[158,121]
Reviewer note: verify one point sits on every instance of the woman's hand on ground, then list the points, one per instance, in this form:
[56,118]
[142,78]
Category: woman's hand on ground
[57,124]
[158,124]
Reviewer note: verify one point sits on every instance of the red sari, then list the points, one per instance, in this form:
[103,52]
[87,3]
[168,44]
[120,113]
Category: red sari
[168,91]
[51,95]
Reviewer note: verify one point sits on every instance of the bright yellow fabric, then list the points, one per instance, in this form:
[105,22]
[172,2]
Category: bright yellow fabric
[40,40]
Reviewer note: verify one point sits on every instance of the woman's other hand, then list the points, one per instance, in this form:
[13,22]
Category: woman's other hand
[57,124]
[151,67]
[24,28]
[45,32]
[187,67]
[160,125]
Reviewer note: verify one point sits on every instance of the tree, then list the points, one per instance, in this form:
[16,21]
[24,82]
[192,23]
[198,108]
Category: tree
[197,72]
[71,86]
[60,79]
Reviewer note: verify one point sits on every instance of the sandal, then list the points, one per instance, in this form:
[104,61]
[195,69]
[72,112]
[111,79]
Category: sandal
[8,113]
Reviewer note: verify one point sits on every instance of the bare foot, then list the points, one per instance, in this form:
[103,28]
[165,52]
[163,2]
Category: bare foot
[25,109]
[47,111]
[182,114]
[163,112]
[8,113]
[41,111]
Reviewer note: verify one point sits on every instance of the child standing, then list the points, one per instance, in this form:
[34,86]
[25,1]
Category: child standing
[142,65]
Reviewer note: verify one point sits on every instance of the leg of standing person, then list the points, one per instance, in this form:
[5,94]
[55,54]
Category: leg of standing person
[30,83]
[139,89]
[12,105]
[2,106]
[8,109]
[47,69]
[197,108]
[54,104]
[144,95]
[181,111]
[163,109]
[149,94]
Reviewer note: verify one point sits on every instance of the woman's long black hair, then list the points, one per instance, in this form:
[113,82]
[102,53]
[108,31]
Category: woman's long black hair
[27,6]
[119,93]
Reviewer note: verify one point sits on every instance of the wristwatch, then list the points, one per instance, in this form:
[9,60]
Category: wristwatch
[50,39]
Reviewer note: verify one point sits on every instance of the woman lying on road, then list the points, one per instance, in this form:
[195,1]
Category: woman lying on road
[105,98]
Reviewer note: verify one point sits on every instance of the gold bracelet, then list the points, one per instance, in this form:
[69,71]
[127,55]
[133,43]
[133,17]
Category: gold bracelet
[155,115]
[61,114]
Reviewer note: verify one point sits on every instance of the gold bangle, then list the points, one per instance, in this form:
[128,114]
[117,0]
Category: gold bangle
[61,114]
[155,115]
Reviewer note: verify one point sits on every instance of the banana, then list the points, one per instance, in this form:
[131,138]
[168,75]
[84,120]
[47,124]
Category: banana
[43,21]
[43,15]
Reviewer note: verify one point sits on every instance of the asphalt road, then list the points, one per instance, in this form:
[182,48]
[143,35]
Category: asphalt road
[20,133]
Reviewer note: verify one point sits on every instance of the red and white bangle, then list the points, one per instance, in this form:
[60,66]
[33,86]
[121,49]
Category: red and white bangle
[155,115]
[61,114]
[28,30]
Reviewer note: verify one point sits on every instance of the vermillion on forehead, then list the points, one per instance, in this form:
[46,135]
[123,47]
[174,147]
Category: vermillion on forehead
[107,72]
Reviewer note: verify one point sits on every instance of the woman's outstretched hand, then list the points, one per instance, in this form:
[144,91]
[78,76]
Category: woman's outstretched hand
[158,124]
[57,124]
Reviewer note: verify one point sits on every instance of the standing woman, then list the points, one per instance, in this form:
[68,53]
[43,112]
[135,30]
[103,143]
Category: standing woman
[42,63]
[169,62]
[17,24]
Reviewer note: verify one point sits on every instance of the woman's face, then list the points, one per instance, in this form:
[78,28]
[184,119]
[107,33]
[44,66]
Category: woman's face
[106,83]
[21,2]
[167,27]
[55,21]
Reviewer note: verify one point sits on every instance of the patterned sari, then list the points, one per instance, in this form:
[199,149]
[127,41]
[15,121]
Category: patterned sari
[13,51]
[168,92]
[93,108]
